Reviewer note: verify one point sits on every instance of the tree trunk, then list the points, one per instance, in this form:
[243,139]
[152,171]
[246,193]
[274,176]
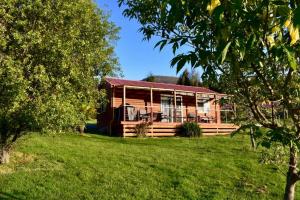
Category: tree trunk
[292,176]
[4,156]
[81,129]
[253,144]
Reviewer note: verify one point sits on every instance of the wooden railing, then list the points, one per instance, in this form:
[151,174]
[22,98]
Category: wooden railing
[171,115]
[173,129]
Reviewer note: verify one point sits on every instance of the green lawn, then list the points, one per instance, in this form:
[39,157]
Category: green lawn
[101,167]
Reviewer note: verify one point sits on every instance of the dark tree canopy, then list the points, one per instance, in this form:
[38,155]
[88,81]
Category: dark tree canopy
[189,78]
[150,78]
[50,53]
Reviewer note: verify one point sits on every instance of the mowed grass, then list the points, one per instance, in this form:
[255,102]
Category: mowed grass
[99,167]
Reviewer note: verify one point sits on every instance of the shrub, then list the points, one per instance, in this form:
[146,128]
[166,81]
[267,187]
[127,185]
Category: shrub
[191,129]
[141,129]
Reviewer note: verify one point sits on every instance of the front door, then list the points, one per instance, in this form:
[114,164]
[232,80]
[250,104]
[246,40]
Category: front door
[179,111]
[167,109]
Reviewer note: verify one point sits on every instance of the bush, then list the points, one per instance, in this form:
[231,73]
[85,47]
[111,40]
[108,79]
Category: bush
[191,129]
[142,129]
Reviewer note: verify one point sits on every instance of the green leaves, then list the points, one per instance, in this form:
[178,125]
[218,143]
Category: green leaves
[296,17]
[179,60]
[224,52]
[161,44]
[50,53]
[291,58]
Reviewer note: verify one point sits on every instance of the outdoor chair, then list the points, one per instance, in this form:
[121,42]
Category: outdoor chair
[191,117]
[144,115]
[131,112]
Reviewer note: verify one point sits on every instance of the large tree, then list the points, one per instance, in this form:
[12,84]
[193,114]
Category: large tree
[189,78]
[251,46]
[50,53]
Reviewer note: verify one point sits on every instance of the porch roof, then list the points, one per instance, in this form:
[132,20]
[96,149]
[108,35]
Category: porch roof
[166,86]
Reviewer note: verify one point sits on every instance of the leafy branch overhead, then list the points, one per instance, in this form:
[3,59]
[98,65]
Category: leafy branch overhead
[249,48]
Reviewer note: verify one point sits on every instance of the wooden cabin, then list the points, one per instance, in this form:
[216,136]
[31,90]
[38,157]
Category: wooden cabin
[166,106]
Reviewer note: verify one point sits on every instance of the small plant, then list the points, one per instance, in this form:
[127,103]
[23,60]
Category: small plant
[141,129]
[191,129]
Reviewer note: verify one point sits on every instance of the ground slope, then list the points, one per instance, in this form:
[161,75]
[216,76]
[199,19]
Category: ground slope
[100,167]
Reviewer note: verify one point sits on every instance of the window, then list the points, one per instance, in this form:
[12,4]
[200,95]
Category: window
[203,107]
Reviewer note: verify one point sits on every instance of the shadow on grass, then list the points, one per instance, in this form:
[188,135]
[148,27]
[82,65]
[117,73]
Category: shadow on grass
[15,196]
[92,128]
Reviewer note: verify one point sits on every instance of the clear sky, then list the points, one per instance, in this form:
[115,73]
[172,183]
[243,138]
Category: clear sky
[137,57]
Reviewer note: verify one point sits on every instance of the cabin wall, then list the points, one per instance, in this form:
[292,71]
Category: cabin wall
[141,99]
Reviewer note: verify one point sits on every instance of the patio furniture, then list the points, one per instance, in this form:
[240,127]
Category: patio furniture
[143,115]
[131,112]
[191,117]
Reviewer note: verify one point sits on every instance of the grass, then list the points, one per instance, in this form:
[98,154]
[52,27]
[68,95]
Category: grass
[99,167]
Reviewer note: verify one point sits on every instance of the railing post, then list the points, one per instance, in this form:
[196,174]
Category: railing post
[175,106]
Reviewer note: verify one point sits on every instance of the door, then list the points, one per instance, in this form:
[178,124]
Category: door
[179,110]
[167,109]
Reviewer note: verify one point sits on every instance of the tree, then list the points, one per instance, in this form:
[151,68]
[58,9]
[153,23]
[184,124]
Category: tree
[252,47]
[150,78]
[189,78]
[50,52]
[184,78]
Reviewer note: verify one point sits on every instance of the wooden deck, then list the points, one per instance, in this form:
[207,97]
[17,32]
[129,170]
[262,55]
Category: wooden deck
[172,129]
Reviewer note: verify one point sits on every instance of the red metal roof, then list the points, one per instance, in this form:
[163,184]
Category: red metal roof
[122,82]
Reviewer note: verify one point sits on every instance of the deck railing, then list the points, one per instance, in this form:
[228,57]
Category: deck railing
[171,114]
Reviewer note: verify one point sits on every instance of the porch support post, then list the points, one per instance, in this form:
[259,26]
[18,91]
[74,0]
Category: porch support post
[124,103]
[217,111]
[124,109]
[151,105]
[196,107]
[174,106]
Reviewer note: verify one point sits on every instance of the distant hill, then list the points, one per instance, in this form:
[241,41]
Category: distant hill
[162,79]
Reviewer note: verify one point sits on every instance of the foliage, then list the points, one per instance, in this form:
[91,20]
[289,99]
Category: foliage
[251,47]
[191,129]
[184,78]
[142,129]
[189,78]
[276,155]
[50,52]
[150,78]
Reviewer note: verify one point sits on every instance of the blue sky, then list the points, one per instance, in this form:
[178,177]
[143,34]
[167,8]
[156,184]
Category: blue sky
[137,57]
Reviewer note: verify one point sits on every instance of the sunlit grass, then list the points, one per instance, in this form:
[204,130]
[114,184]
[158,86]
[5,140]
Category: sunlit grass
[100,167]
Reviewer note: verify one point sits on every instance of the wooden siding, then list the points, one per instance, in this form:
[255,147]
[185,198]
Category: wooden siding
[141,99]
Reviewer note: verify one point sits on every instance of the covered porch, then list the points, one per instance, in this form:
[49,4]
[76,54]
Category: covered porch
[167,109]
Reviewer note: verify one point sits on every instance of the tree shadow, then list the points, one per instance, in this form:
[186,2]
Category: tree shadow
[91,128]
[16,195]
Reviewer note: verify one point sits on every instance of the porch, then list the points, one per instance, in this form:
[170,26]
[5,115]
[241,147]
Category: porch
[166,110]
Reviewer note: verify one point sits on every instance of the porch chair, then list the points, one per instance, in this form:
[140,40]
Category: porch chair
[132,113]
[191,117]
[144,115]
